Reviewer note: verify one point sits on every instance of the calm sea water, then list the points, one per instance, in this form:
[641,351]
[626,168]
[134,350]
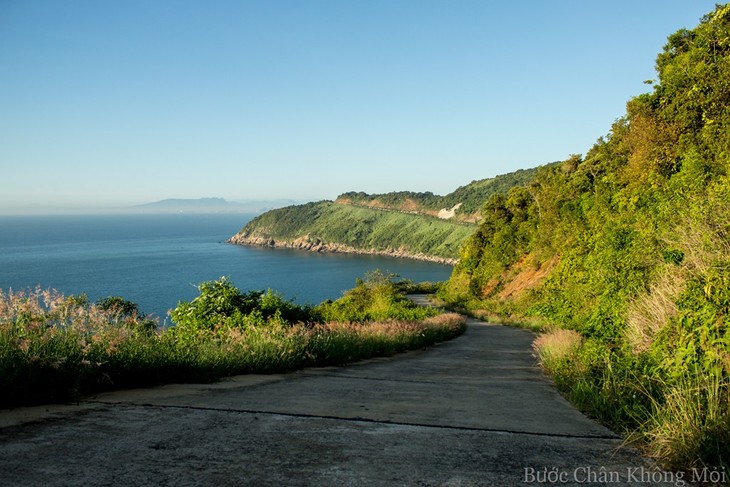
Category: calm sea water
[156,261]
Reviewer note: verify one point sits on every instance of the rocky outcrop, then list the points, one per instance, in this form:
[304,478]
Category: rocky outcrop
[313,244]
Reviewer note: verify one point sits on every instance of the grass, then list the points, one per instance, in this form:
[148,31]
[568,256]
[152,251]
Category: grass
[671,404]
[681,422]
[690,428]
[56,348]
[555,347]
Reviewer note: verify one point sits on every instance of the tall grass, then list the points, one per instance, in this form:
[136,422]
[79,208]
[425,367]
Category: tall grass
[690,428]
[55,348]
[554,348]
[681,421]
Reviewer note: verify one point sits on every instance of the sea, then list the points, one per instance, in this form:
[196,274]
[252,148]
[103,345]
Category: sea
[157,261]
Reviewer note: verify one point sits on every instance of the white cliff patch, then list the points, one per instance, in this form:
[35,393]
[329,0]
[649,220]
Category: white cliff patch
[446,214]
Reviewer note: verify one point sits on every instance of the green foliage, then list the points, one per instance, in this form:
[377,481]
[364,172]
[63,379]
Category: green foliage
[221,303]
[640,231]
[119,305]
[378,297]
[697,340]
[126,309]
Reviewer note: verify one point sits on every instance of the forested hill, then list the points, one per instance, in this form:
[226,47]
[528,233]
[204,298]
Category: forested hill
[463,204]
[629,248]
[403,224]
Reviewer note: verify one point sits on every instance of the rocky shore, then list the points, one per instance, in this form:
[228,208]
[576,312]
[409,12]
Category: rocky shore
[313,244]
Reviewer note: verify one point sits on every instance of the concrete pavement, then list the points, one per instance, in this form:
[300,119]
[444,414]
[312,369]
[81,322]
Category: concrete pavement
[472,411]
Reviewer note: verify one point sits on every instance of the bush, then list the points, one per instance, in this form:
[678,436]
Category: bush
[126,309]
[376,297]
[221,302]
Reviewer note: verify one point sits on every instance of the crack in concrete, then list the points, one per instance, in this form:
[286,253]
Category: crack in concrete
[355,419]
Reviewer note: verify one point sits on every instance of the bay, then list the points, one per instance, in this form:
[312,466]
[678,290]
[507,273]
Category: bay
[158,260]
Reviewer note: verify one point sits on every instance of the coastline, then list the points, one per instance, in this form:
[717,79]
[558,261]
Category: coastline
[316,245]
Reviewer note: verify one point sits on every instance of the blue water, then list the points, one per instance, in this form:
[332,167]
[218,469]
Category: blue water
[156,261]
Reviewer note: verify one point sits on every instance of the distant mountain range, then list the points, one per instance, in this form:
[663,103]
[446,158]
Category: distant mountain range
[210,205]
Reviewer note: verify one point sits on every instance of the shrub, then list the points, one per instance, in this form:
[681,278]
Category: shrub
[376,297]
[126,309]
[221,302]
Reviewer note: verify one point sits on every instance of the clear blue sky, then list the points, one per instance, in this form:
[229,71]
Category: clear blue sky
[107,103]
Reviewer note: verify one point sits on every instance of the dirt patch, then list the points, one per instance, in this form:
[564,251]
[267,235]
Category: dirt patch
[490,286]
[375,204]
[526,275]
[410,205]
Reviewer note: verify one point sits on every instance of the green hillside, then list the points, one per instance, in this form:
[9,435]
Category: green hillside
[402,224]
[627,252]
[327,226]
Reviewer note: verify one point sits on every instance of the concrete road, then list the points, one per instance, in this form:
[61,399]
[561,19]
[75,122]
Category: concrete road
[472,411]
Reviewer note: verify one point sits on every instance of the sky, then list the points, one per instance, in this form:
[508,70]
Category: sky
[115,103]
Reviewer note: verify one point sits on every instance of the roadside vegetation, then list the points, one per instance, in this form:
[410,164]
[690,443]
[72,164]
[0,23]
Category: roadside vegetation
[623,257]
[56,348]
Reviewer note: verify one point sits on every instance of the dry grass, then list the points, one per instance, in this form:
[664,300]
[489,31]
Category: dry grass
[553,347]
[651,311]
[692,423]
[704,240]
[526,274]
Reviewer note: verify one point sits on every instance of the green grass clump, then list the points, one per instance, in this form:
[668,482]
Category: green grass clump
[682,420]
[56,348]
